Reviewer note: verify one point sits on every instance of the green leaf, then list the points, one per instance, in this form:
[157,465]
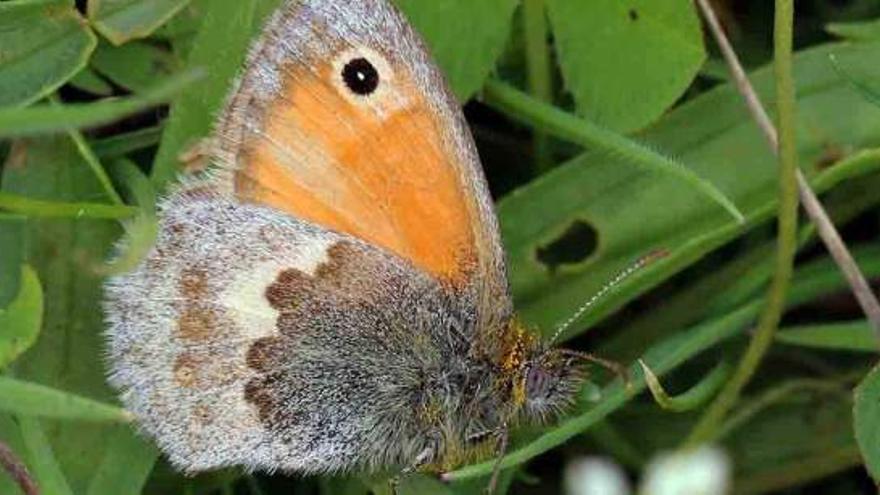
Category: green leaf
[11,255]
[866,421]
[41,460]
[126,465]
[566,126]
[67,252]
[31,399]
[219,50]
[124,20]
[865,85]
[628,212]
[20,321]
[45,119]
[466,37]
[856,31]
[134,66]
[43,43]
[626,61]
[849,336]
[90,82]
[122,144]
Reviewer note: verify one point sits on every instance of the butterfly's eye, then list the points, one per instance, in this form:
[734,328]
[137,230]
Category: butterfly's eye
[360,76]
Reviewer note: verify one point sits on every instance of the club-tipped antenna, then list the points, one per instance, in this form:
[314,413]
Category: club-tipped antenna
[614,282]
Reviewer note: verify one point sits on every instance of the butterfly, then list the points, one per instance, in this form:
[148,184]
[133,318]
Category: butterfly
[331,295]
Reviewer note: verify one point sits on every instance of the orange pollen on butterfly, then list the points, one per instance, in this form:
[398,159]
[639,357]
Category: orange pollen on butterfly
[517,342]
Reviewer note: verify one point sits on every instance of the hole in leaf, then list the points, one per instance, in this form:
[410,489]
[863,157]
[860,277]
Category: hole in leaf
[574,246]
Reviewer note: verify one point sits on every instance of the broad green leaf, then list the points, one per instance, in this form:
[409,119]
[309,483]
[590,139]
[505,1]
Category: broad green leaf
[866,421]
[856,31]
[466,37]
[135,66]
[87,80]
[20,321]
[44,119]
[629,212]
[867,86]
[626,61]
[67,355]
[11,254]
[41,459]
[219,49]
[31,399]
[849,336]
[124,20]
[43,43]
[126,465]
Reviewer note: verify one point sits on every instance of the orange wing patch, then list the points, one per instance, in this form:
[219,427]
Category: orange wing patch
[374,169]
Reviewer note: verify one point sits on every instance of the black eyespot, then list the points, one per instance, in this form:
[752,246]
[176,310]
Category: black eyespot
[360,76]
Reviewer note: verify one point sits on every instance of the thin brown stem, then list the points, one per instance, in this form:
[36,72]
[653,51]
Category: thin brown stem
[17,470]
[824,226]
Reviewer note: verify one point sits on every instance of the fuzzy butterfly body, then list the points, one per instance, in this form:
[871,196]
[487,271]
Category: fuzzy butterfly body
[331,296]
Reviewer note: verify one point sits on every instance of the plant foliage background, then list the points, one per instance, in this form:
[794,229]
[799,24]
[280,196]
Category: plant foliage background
[571,217]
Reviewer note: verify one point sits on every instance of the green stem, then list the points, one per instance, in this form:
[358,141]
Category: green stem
[85,151]
[37,208]
[120,145]
[538,70]
[693,398]
[568,127]
[710,422]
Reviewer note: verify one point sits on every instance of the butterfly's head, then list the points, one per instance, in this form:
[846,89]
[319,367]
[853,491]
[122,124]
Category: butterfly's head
[550,383]
[544,382]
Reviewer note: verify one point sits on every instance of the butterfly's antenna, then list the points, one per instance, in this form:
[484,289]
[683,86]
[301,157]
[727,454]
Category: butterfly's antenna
[618,369]
[620,277]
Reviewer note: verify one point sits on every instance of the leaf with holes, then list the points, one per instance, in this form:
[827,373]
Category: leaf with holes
[465,37]
[631,212]
[626,61]
[43,43]
[866,421]
[121,21]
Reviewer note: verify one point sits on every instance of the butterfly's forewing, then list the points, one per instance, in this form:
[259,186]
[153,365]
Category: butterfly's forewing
[396,167]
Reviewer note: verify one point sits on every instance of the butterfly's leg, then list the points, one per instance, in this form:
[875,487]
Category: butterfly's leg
[424,457]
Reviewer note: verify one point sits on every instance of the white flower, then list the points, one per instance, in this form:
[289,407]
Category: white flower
[594,476]
[705,471]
